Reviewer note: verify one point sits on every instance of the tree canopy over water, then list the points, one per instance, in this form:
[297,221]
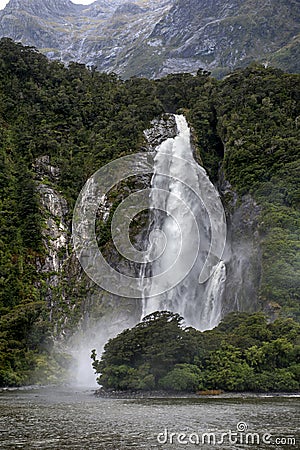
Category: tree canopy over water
[244,353]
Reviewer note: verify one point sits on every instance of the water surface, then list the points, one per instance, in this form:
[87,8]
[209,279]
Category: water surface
[65,418]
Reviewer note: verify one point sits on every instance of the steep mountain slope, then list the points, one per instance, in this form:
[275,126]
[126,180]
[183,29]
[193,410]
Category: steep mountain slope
[223,34]
[154,38]
[98,34]
[59,125]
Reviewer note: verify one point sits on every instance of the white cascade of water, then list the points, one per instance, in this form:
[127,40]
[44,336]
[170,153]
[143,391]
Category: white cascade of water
[213,295]
[199,304]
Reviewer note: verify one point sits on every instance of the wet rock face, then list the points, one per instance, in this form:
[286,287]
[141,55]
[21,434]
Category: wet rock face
[242,252]
[55,229]
[245,262]
[43,168]
[161,129]
[55,210]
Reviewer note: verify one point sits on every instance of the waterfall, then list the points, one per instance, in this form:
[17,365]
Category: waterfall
[181,270]
[186,183]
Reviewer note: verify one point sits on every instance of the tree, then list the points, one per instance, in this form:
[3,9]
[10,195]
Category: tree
[158,343]
[184,377]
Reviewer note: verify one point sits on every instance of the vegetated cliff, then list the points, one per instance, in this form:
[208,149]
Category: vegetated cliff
[154,38]
[59,125]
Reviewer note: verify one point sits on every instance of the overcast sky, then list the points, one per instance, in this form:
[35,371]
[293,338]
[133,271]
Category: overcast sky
[82,2]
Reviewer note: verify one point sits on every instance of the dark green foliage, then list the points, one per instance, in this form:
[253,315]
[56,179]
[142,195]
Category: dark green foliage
[81,120]
[184,378]
[150,350]
[246,125]
[257,110]
[246,355]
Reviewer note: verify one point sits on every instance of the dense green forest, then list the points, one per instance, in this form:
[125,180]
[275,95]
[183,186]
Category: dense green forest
[245,126]
[244,353]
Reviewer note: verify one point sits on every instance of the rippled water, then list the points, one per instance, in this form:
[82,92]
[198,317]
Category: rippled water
[60,418]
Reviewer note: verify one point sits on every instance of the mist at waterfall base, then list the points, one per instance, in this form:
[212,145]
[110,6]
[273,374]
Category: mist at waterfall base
[93,335]
[199,303]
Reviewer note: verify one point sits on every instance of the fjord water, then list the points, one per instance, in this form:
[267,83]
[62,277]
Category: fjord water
[190,207]
[64,418]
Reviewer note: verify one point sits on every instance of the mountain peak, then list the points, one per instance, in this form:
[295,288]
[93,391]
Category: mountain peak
[39,7]
[155,37]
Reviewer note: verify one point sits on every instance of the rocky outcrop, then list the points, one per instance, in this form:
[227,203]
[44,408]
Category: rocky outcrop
[161,129]
[129,8]
[242,252]
[154,38]
[55,230]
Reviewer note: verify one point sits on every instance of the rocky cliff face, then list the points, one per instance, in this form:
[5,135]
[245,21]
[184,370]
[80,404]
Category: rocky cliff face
[85,316]
[242,251]
[154,38]
[223,34]
[46,8]
[59,265]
